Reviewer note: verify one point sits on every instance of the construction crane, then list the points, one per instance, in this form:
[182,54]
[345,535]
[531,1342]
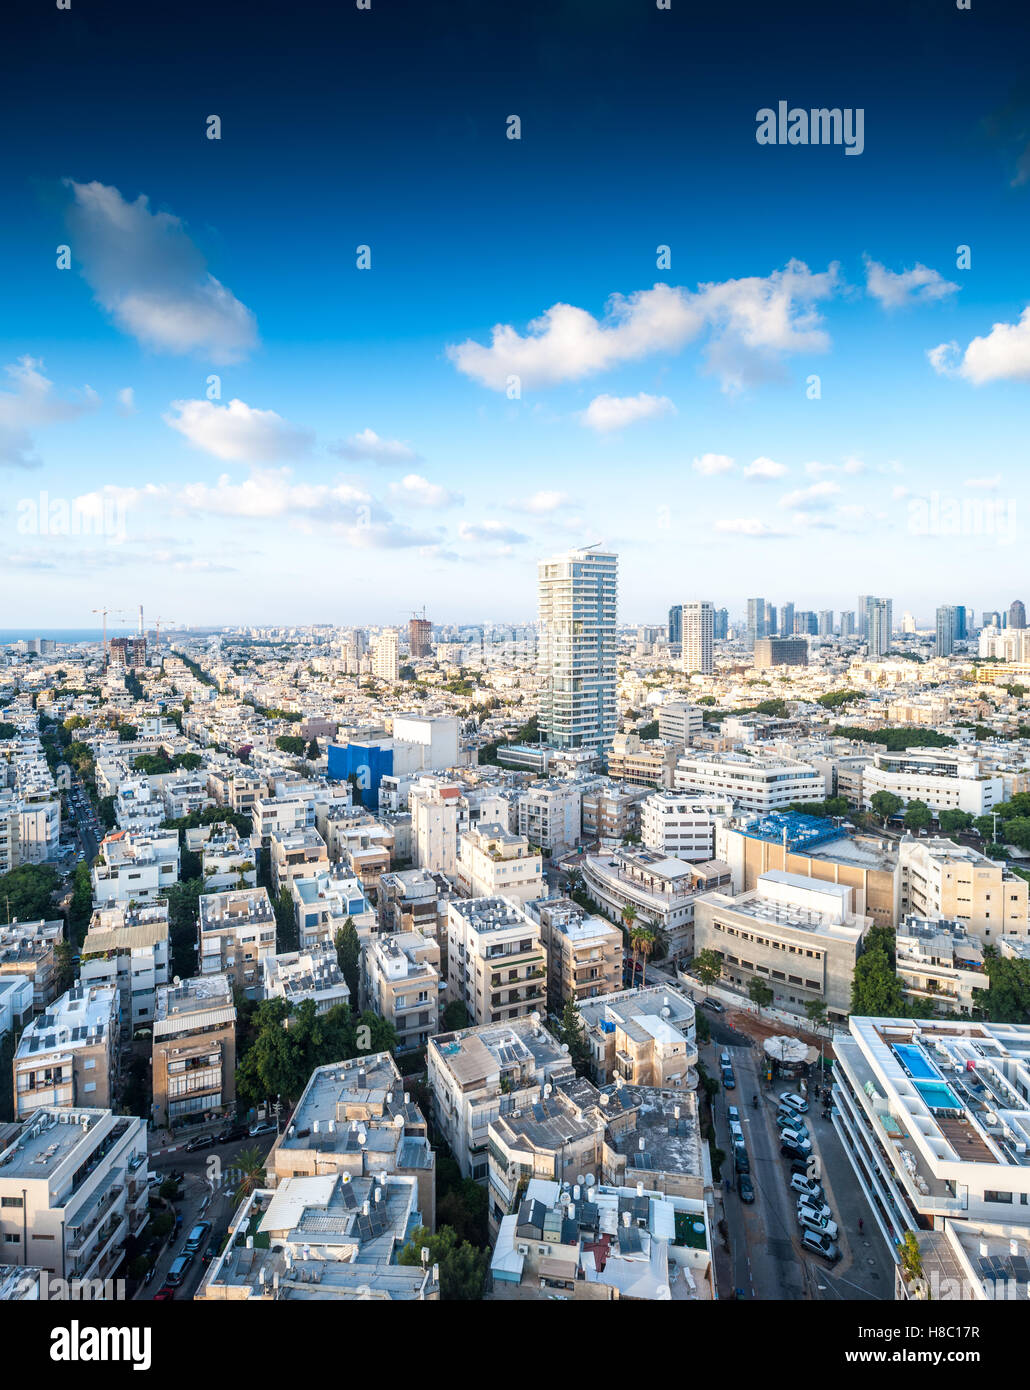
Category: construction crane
[115,613]
[167,622]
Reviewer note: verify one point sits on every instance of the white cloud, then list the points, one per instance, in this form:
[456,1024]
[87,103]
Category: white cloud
[417,491]
[763,468]
[491,531]
[543,502]
[892,289]
[748,526]
[272,493]
[986,484]
[709,465]
[126,401]
[149,276]
[367,445]
[607,413]
[806,498]
[32,405]
[237,432]
[751,321]
[1003,355]
[385,534]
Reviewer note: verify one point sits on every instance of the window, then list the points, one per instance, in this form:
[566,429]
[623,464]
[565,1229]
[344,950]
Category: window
[11,1202]
[1002,1197]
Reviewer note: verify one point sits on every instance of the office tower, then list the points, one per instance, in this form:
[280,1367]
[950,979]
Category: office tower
[879,625]
[861,619]
[698,635]
[826,622]
[847,623]
[787,620]
[420,636]
[992,618]
[676,627]
[578,594]
[770,620]
[781,651]
[961,622]
[806,624]
[384,657]
[1017,613]
[722,624]
[908,623]
[946,618]
[755,620]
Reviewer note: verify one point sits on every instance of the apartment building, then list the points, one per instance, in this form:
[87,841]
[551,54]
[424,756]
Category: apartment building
[236,930]
[27,948]
[138,806]
[584,952]
[642,1037]
[947,779]
[549,814]
[234,786]
[477,1073]
[933,1115]
[662,891]
[128,948]
[683,826]
[642,763]
[183,793]
[228,859]
[296,854]
[942,879]
[400,981]
[800,936]
[680,722]
[611,812]
[135,866]
[355,1118]
[815,847]
[15,1002]
[68,1055]
[278,815]
[298,976]
[439,814]
[496,964]
[758,782]
[73,1189]
[492,862]
[323,904]
[193,1062]
[939,962]
[415,900]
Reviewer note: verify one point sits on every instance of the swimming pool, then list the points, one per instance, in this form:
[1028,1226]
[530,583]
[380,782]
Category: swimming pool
[938,1095]
[915,1061]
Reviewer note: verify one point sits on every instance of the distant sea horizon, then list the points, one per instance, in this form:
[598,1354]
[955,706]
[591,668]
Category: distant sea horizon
[60,634]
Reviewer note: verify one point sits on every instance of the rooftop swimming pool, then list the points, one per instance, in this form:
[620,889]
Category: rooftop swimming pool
[938,1095]
[915,1062]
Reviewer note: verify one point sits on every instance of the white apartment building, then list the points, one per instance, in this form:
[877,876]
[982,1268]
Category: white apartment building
[128,948]
[236,932]
[277,815]
[424,743]
[135,866]
[69,1054]
[549,815]
[492,862]
[296,854]
[297,976]
[680,722]
[938,961]
[439,813]
[385,664]
[496,963]
[576,651]
[73,1188]
[228,860]
[683,826]
[138,808]
[323,904]
[756,781]
[27,948]
[698,637]
[400,981]
[947,779]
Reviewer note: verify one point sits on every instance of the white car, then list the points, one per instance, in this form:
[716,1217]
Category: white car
[808,1187]
[820,1244]
[793,1101]
[798,1141]
[814,1207]
[822,1224]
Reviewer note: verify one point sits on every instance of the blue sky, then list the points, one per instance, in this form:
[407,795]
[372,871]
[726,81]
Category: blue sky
[363,456]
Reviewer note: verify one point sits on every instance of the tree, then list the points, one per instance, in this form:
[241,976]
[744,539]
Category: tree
[885,804]
[454,1017]
[760,992]
[875,989]
[572,1033]
[918,816]
[629,916]
[984,827]
[288,743]
[644,939]
[708,967]
[910,1257]
[462,1266]
[250,1163]
[1008,998]
[952,821]
[27,892]
[286,933]
[313,752]
[127,733]
[64,965]
[348,955]
[816,1011]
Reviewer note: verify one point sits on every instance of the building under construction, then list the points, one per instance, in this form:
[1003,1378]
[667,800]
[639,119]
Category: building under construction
[420,636]
[128,652]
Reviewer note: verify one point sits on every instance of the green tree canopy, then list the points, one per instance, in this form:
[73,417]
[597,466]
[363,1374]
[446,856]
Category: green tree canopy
[918,816]
[875,989]
[462,1267]
[885,804]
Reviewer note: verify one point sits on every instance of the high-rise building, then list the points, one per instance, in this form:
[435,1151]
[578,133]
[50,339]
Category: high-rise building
[908,623]
[722,624]
[755,620]
[384,657]
[945,643]
[879,624]
[991,618]
[862,627]
[128,652]
[1017,613]
[420,636]
[676,626]
[698,637]
[770,619]
[961,622]
[781,651]
[806,624]
[825,622]
[847,623]
[787,620]
[578,596]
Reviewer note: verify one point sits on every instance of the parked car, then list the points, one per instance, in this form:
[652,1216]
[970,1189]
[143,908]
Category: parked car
[196,1237]
[794,1101]
[801,1142]
[230,1135]
[203,1141]
[822,1224]
[790,1149]
[714,1005]
[725,1060]
[163,1294]
[795,1126]
[733,1114]
[808,1187]
[728,1079]
[210,1253]
[741,1162]
[820,1244]
[264,1127]
[814,1207]
[746,1188]
[178,1268]
[799,1167]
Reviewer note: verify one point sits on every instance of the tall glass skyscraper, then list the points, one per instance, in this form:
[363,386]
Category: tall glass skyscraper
[578,595]
[945,644]
[879,624]
[756,620]
[676,626]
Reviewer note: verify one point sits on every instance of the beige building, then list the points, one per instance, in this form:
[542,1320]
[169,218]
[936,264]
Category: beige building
[940,962]
[642,763]
[801,936]
[941,879]
[611,812]
[73,1189]
[644,1037]
[496,963]
[400,981]
[236,931]
[68,1055]
[584,952]
[27,948]
[492,862]
[194,1051]
[296,854]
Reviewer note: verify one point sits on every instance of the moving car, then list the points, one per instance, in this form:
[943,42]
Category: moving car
[177,1269]
[794,1101]
[230,1135]
[202,1141]
[820,1244]
[163,1294]
[714,1005]
[746,1188]
[196,1237]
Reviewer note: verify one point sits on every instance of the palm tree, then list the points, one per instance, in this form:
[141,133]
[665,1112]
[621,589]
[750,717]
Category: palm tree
[251,1166]
[645,940]
[629,916]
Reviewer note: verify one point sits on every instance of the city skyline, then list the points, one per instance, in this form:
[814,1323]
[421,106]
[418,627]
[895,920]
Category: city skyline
[362,429]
